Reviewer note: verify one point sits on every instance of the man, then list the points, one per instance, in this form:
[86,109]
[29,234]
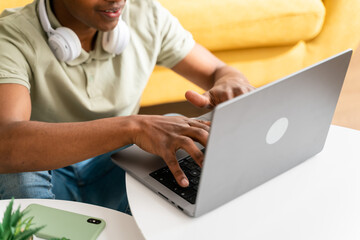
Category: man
[54,114]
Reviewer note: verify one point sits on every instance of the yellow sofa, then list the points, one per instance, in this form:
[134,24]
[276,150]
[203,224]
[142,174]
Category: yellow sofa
[265,39]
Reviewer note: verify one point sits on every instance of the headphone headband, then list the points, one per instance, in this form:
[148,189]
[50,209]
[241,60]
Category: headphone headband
[43,17]
[66,45]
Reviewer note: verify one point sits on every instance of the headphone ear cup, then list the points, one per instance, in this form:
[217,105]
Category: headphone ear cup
[116,40]
[65,44]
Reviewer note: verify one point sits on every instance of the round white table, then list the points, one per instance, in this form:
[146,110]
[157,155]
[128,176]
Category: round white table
[318,199]
[118,225]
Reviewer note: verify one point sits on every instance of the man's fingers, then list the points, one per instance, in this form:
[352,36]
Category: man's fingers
[195,153]
[200,124]
[197,134]
[198,99]
[175,169]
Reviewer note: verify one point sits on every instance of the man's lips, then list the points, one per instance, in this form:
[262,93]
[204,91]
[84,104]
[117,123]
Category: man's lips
[111,13]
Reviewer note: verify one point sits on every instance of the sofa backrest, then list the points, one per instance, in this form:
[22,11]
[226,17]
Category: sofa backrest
[236,24]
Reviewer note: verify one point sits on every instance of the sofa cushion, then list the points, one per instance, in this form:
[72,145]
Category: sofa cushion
[235,24]
[13,4]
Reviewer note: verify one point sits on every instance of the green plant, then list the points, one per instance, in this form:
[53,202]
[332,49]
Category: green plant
[14,226]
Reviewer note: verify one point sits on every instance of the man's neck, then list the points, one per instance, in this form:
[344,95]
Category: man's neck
[86,34]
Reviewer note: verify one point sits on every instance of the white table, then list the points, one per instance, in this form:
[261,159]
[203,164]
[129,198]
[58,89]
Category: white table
[320,199]
[118,225]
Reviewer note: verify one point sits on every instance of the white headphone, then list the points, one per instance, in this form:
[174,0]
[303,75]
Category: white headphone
[66,45]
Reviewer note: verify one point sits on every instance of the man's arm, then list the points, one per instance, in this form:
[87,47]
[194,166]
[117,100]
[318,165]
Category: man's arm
[33,146]
[29,145]
[221,81]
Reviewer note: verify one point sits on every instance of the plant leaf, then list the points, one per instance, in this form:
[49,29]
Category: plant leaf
[1,231]
[27,233]
[7,215]
[22,225]
[7,235]
[28,222]
[16,217]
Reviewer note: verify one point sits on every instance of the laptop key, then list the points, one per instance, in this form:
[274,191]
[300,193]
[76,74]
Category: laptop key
[195,181]
[187,192]
[194,173]
[192,199]
[191,166]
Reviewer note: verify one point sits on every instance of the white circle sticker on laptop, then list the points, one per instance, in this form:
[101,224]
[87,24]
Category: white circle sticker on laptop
[277,130]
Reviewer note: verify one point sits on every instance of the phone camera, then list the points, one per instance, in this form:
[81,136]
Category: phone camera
[94,221]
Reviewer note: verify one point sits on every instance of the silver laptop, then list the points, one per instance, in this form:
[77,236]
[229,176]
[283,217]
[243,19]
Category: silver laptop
[253,138]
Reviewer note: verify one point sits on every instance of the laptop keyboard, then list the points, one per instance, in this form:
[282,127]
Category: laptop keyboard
[192,172]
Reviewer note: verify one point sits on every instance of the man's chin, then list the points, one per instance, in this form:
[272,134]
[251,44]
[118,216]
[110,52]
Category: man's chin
[107,27]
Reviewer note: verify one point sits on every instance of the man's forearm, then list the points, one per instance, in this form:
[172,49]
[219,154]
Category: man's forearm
[34,146]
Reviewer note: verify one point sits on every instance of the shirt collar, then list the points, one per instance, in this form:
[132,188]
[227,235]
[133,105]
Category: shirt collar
[98,53]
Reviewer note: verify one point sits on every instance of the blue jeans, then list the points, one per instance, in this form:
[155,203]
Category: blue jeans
[96,181]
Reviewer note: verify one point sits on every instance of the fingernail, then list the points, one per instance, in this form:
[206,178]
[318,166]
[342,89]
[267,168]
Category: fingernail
[184,182]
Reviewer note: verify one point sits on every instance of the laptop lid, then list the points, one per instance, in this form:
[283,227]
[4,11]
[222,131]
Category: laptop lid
[259,135]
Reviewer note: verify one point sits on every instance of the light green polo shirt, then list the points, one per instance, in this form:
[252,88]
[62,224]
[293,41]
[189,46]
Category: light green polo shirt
[96,84]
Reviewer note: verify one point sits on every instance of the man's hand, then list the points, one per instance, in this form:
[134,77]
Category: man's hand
[221,81]
[229,84]
[164,135]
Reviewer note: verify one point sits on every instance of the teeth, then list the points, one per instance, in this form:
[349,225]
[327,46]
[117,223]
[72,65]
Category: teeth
[110,11]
